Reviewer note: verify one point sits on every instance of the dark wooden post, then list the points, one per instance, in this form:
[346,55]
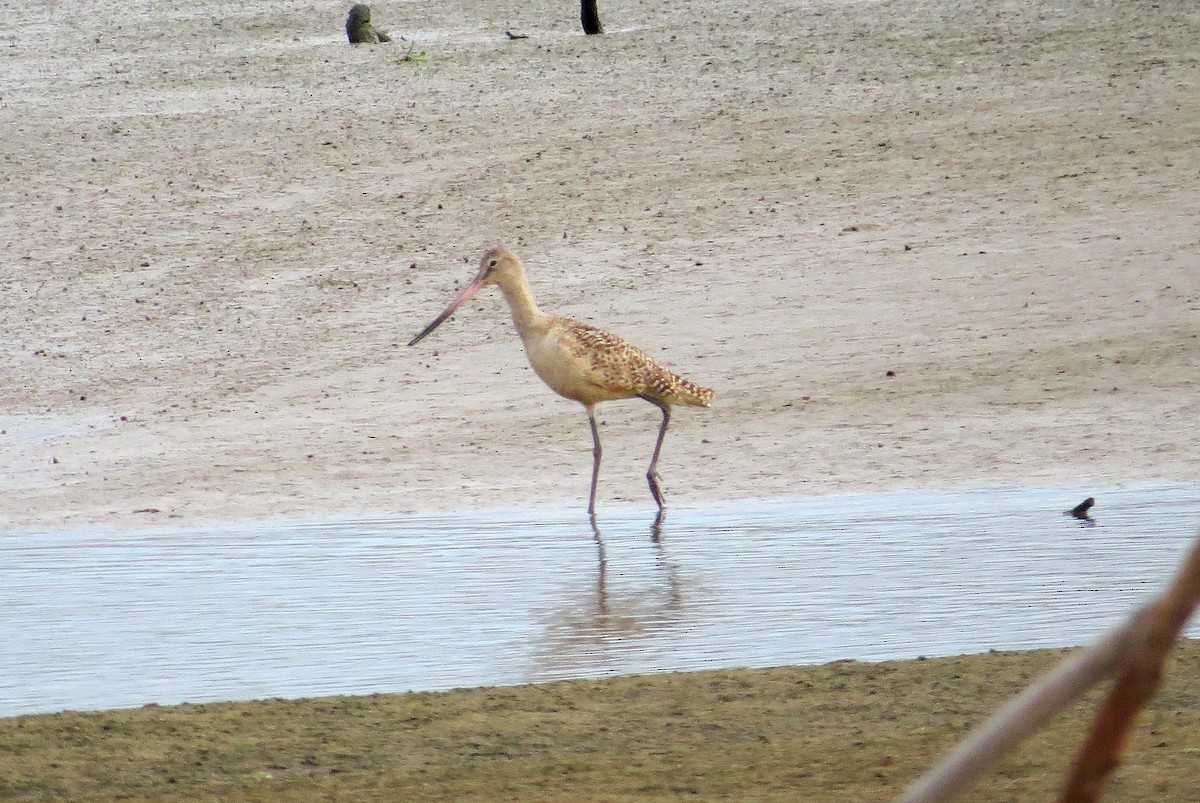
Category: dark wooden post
[589,15]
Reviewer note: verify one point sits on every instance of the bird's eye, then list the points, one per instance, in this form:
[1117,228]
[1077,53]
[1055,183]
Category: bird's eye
[491,263]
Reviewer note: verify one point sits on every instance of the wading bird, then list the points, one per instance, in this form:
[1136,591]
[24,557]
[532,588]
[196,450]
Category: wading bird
[580,362]
[1083,511]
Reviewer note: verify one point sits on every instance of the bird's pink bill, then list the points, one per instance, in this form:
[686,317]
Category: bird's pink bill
[467,293]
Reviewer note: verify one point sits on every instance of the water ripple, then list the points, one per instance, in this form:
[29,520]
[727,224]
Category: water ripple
[101,619]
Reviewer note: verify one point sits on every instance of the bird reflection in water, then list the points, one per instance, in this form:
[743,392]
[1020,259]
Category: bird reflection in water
[670,570]
[603,631]
[601,568]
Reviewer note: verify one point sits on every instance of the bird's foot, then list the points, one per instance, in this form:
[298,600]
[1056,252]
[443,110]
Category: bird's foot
[655,491]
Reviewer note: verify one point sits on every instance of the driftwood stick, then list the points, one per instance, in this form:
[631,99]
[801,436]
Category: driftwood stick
[1141,673]
[1157,623]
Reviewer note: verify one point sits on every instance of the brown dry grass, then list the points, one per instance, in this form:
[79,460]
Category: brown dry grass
[839,732]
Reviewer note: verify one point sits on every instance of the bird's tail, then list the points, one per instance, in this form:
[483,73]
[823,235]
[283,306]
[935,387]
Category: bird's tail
[685,391]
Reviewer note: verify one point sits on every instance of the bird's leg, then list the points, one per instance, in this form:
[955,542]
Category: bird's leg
[595,461]
[652,473]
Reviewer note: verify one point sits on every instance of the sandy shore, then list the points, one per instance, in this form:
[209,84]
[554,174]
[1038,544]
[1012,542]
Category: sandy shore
[910,244]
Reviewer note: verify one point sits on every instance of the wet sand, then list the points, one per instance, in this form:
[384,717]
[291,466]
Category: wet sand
[910,244]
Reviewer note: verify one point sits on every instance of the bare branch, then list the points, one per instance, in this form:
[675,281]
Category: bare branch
[1139,643]
[1141,674]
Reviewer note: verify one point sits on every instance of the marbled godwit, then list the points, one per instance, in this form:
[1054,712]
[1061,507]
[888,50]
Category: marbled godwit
[580,362]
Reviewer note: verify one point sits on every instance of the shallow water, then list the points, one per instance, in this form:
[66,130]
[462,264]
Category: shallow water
[100,619]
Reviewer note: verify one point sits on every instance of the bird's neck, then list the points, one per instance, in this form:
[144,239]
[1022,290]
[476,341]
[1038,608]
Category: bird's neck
[524,309]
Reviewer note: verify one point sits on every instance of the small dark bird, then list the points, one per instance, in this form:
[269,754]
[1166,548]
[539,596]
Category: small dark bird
[1081,511]
[512,35]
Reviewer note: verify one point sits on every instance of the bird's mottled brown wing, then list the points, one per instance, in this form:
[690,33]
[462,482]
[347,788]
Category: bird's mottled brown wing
[626,369]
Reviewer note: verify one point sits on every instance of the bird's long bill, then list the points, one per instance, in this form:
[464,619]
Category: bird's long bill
[460,299]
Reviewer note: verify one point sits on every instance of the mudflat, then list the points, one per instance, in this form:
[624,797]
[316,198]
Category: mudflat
[910,244]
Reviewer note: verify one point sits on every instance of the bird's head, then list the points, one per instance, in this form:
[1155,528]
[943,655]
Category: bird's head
[495,266]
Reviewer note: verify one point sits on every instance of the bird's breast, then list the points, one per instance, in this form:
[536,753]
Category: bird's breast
[568,372]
